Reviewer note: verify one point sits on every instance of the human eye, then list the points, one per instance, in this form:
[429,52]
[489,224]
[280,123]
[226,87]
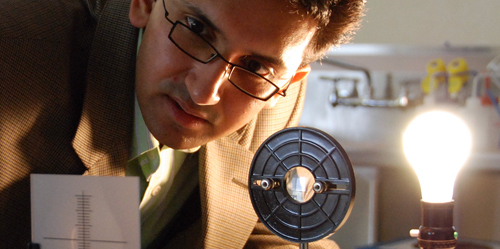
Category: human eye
[197,26]
[259,68]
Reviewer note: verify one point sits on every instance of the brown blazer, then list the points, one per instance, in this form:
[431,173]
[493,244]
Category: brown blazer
[66,107]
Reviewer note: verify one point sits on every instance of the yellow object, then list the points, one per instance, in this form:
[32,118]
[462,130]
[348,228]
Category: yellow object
[457,71]
[436,71]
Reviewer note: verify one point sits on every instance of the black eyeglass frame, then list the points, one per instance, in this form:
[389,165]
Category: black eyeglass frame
[277,90]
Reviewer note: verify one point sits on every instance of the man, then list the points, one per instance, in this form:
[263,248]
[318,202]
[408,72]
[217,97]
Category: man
[207,73]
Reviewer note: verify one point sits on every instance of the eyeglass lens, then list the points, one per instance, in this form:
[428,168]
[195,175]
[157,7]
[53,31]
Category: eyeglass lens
[200,50]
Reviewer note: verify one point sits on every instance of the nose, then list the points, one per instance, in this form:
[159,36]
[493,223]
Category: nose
[205,81]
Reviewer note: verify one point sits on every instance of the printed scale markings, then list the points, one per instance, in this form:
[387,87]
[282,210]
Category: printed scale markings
[83,211]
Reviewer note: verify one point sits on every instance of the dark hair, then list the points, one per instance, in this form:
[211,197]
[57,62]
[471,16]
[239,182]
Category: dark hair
[337,21]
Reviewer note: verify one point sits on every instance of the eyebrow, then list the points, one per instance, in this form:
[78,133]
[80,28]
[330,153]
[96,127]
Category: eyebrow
[199,13]
[280,64]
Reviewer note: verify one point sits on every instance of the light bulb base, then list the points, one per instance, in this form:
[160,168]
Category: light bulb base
[437,230]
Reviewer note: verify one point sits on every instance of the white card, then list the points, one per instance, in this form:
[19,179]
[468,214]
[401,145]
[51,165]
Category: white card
[85,212]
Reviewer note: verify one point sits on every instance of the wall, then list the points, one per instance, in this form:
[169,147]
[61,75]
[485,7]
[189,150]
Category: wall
[431,22]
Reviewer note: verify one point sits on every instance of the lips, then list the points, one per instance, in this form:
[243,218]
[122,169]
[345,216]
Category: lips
[184,115]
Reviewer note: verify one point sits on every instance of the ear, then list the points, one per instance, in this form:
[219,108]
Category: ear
[300,74]
[139,13]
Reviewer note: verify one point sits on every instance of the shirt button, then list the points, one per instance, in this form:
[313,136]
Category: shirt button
[156,191]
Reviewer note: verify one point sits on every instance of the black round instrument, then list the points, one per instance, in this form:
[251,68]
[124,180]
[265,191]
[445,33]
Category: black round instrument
[302,184]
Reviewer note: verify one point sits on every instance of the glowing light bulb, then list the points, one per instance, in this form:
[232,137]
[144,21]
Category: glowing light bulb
[437,144]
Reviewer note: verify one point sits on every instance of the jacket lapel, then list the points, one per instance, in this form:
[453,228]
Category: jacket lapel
[228,214]
[103,137]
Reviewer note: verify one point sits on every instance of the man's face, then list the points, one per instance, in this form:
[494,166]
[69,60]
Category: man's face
[186,103]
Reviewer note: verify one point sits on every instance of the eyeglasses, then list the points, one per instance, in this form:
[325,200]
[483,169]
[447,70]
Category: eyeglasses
[198,48]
